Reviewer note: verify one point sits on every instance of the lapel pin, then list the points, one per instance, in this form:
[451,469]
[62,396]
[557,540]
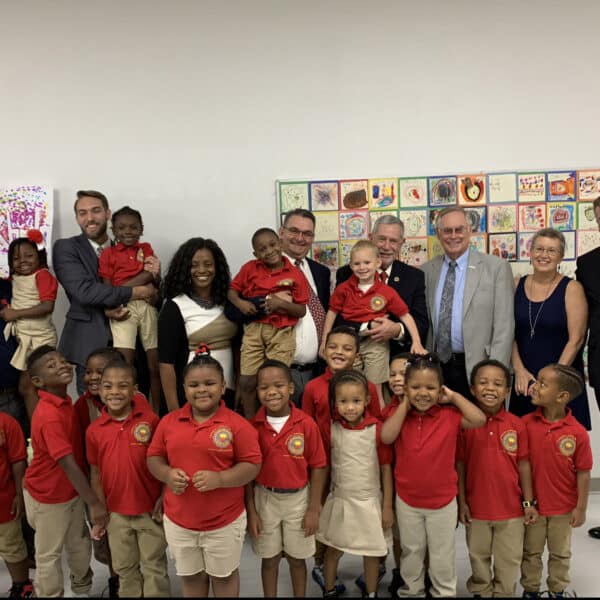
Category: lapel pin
[396,279]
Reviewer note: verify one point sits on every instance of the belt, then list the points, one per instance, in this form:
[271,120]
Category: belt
[306,367]
[456,357]
[282,490]
[8,390]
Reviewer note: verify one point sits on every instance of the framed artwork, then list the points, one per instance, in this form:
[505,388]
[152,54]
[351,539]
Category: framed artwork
[412,192]
[375,214]
[560,186]
[586,219]
[476,218]
[586,241]
[293,195]
[327,227]
[442,191]
[326,253]
[471,189]
[354,194]
[524,240]
[570,245]
[502,218]
[532,217]
[588,188]
[434,247]
[324,195]
[433,215]
[414,251]
[383,194]
[479,242]
[502,187]
[503,245]
[415,222]
[354,225]
[561,215]
[345,249]
[531,187]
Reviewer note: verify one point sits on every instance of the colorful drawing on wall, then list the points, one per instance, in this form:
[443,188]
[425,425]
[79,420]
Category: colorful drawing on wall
[23,208]
[442,191]
[502,218]
[532,217]
[327,227]
[293,195]
[502,187]
[326,253]
[345,249]
[471,189]
[354,193]
[413,192]
[532,187]
[570,245]
[414,251]
[415,222]
[586,219]
[383,193]
[434,247]
[561,215]
[586,241]
[561,186]
[525,245]
[432,217]
[375,214]
[503,245]
[354,225]
[589,185]
[479,242]
[476,218]
[324,195]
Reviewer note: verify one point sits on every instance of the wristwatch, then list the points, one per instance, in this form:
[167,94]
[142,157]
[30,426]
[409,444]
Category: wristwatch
[529,503]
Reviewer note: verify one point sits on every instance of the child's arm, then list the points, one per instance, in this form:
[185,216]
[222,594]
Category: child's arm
[35,312]
[175,478]
[254,522]
[583,491]
[244,306]
[18,472]
[531,513]
[392,425]
[142,278]
[464,512]
[275,303]
[96,485]
[310,523]
[472,417]
[327,327]
[410,324]
[238,475]
[387,486]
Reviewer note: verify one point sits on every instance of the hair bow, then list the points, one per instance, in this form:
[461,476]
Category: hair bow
[36,236]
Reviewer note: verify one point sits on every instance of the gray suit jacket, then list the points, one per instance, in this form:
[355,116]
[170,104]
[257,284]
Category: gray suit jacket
[488,321]
[86,328]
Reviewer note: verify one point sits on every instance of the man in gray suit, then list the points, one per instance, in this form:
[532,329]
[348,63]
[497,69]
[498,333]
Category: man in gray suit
[470,299]
[75,262]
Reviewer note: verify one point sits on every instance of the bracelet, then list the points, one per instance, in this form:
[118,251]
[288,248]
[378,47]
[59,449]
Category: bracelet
[529,503]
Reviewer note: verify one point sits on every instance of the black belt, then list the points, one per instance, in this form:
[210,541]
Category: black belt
[282,490]
[306,367]
[8,390]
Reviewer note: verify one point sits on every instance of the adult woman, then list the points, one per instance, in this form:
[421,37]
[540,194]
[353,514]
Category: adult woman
[550,323]
[195,288]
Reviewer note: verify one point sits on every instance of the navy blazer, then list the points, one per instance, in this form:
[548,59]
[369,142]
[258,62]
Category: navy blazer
[322,276]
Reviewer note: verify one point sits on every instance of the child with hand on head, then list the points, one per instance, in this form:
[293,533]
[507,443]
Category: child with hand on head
[274,291]
[285,501]
[495,493]
[56,484]
[424,430]
[132,263]
[561,461]
[29,315]
[205,454]
[116,444]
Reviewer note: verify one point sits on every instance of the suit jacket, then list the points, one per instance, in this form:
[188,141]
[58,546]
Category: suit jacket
[322,276]
[86,328]
[409,282]
[588,267]
[488,321]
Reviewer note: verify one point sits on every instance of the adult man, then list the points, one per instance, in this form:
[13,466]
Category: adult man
[470,299]
[588,267]
[296,235]
[76,265]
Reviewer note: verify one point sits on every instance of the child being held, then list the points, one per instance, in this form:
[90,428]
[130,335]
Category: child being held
[129,263]
[561,461]
[281,291]
[495,494]
[283,509]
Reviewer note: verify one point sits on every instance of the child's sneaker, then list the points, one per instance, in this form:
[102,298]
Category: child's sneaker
[396,583]
[21,590]
[319,578]
[360,580]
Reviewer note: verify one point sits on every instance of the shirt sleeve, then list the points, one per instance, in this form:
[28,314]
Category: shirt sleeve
[522,442]
[336,302]
[58,443]
[158,445]
[91,447]
[308,402]
[385,452]
[15,441]
[245,443]
[396,306]
[240,282]
[47,285]
[147,249]
[171,334]
[374,408]
[583,452]
[316,458]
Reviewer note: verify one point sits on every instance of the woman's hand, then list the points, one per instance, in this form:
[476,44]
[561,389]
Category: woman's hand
[523,381]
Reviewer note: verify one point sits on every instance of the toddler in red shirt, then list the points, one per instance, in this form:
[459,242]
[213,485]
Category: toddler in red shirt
[495,494]
[424,430]
[128,263]
[561,461]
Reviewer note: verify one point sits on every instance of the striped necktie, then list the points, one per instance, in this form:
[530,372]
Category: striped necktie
[315,307]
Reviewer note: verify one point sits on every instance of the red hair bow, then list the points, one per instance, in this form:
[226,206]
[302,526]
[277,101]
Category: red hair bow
[202,349]
[36,236]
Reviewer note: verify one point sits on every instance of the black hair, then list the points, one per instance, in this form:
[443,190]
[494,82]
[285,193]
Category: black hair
[202,358]
[402,356]
[121,365]
[271,363]
[23,241]
[490,362]
[178,279]
[348,376]
[262,231]
[344,330]
[569,380]
[428,362]
[299,212]
[127,211]
[108,352]
[37,354]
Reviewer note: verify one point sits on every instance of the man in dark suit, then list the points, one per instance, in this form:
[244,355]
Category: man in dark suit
[388,235]
[75,262]
[588,267]
[297,234]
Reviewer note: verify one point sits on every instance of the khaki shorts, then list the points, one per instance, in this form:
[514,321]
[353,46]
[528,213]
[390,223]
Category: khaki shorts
[12,544]
[217,552]
[281,518]
[143,318]
[376,359]
[262,341]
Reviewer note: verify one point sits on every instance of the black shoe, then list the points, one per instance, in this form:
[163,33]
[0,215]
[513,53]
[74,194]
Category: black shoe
[594,532]
[113,586]
[396,583]
[21,590]
[331,593]
[531,595]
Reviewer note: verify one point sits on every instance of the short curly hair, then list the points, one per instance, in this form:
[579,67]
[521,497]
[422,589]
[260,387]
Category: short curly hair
[178,279]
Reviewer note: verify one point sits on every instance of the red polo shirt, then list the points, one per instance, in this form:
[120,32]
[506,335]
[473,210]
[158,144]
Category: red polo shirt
[54,435]
[290,454]
[361,307]
[47,285]
[120,263]
[557,450]
[491,455]
[385,452]
[12,450]
[118,449]
[390,409]
[425,455]
[215,445]
[256,279]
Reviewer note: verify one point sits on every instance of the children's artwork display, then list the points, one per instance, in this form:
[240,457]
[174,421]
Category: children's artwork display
[23,208]
[503,211]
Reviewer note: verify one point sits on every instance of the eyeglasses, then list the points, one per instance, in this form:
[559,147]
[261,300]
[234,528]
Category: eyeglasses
[307,235]
[552,252]
[453,230]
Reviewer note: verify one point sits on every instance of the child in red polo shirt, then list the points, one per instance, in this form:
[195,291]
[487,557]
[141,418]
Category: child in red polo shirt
[127,263]
[365,297]
[495,493]
[561,461]
[12,468]
[205,454]
[283,510]
[280,293]
[116,445]
[424,431]
[56,485]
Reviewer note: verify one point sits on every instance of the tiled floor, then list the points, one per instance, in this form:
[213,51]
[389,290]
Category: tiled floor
[585,567]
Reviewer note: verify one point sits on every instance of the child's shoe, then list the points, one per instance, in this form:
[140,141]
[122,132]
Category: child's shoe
[360,580]
[113,586]
[331,593]
[531,595]
[396,583]
[319,578]
[21,590]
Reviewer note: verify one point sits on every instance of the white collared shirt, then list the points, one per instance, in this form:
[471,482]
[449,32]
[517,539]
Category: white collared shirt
[96,245]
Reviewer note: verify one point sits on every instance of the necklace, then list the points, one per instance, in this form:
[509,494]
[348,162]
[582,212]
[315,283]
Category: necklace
[202,302]
[533,322]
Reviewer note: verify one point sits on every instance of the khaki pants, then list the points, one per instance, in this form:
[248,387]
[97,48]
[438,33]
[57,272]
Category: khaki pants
[555,530]
[430,531]
[502,541]
[59,526]
[262,341]
[137,546]
[376,359]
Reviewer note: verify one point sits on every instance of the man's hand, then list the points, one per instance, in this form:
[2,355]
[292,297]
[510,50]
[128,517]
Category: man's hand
[121,313]
[383,329]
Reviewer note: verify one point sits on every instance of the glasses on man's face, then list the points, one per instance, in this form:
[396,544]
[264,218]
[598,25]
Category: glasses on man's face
[307,235]
[453,230]
[552,252]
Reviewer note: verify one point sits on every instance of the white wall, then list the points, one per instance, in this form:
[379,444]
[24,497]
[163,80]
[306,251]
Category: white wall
[189,110]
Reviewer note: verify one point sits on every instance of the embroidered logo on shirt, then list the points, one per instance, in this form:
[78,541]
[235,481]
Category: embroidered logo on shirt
[142,432]
[377,302]
[295,444]
[509,441]
[567,445]
[222,437]
[286,283]
[140,255]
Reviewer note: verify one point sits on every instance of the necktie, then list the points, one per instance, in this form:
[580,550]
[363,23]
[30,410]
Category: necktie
[99,250]
[383,276]
[444,334]
[315,307]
